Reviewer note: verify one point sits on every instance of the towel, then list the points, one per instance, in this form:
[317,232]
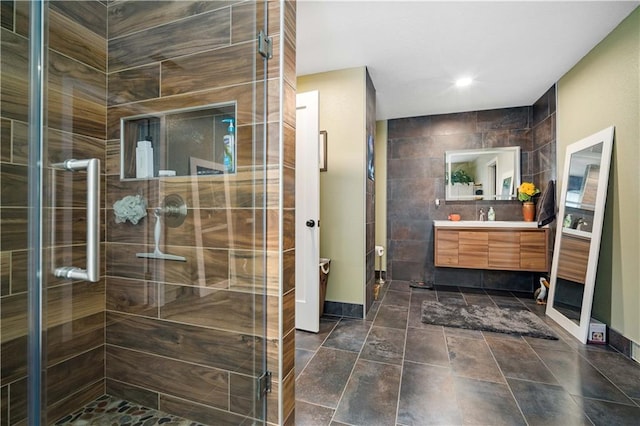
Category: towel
[547,205]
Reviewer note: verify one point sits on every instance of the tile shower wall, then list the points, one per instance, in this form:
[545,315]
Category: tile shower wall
[185,337]
[415,179]
[76,105]
[180,336]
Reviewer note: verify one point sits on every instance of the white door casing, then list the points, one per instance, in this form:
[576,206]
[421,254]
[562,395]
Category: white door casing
[307,212]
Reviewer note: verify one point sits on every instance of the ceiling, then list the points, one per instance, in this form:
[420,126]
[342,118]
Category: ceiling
[415,50]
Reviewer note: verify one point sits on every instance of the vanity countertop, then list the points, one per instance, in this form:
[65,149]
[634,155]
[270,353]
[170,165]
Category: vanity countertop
[484,224]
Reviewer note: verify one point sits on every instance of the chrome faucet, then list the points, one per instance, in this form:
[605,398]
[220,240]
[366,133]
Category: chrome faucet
[481,217]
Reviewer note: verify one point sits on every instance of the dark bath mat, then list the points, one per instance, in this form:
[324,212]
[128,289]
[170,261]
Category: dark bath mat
[520,322]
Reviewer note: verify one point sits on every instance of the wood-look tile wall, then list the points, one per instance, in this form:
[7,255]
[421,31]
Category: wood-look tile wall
[193,331]
[184,337]
[76,128]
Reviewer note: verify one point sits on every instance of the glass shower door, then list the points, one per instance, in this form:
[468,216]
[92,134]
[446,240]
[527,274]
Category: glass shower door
[90,326]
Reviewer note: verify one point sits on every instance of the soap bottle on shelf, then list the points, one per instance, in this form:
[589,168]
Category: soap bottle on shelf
[491,214]
[144,159]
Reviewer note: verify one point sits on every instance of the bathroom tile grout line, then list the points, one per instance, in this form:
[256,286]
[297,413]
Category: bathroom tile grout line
[315,351]
[344,390]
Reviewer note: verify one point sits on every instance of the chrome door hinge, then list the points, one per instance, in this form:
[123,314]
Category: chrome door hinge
[264,384]
[265,45]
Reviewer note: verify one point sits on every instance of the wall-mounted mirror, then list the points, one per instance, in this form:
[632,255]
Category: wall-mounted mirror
[482,174]
[577,246]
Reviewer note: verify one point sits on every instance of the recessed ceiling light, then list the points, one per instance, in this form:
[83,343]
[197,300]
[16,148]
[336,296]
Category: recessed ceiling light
[463,82]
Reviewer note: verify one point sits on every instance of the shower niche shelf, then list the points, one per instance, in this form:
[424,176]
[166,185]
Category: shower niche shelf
[185,142]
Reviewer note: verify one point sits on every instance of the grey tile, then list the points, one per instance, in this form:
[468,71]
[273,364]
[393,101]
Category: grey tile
[503,336]
[426,346]
[637,401]
[579,377]
[396,298]
[384,345]
[609,413]
[373,311]
[517,360]
[392,316]
[463,332]
[622,371]
[312,341]
[420,295]
[556,345]
[511,302]
[427,396]
[472,358]
[397,285]
[486,403]
[371,395]
[316,386]
[545,404]
[311,414]
[415,309]
[348,335]
[478,299]
[451,299]
[303,357]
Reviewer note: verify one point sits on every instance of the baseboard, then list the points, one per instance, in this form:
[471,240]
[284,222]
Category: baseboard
[349,310]
[620,343]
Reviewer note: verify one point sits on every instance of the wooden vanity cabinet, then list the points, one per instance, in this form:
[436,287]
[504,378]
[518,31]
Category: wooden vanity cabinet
[508,249]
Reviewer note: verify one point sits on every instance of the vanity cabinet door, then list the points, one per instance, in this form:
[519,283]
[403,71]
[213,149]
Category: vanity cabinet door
[474,249]
[446,248]
[572,265]
[504,250]
[534,252]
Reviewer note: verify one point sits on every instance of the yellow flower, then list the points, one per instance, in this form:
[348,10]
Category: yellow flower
[526,191]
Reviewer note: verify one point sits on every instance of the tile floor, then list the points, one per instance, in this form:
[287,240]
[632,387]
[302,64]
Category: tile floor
[391,369]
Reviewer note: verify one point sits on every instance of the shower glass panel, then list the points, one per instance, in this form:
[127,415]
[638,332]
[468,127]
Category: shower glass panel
[179,335]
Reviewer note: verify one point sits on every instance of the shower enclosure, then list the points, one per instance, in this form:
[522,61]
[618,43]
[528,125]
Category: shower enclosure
[82,313]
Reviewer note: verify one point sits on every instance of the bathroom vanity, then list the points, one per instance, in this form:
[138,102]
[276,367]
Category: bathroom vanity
[501,245]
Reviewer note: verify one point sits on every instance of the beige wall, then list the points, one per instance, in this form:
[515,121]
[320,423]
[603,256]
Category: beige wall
[381,190]
[342,195]
[603,89]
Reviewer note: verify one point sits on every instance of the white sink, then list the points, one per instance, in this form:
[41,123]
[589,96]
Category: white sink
[484,224]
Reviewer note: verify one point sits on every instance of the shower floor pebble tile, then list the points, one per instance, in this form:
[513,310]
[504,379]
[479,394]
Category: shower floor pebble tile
[111,411]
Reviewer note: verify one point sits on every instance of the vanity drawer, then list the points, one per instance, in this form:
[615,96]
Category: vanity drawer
[534,251]
[446,248]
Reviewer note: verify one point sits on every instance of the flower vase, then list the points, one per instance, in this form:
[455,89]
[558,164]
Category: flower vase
[528,211]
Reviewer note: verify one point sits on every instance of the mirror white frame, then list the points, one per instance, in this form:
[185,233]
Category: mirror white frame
[495,173]
[570,233]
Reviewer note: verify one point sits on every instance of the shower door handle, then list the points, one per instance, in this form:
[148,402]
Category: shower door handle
[92,166]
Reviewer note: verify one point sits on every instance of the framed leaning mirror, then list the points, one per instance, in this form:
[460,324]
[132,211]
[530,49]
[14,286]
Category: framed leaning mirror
[577,246]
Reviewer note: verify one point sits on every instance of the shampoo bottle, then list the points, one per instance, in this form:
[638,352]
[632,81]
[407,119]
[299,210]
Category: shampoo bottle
[144,160]
[229,146]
